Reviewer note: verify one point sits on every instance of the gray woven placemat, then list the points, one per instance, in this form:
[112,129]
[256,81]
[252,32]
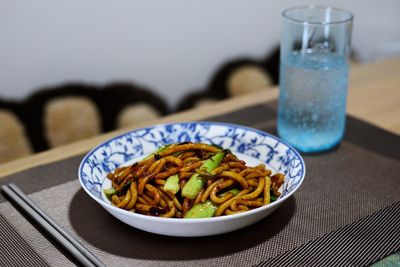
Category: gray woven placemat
[342,187]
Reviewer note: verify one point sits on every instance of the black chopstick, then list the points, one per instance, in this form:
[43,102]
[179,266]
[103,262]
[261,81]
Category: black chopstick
[58,234]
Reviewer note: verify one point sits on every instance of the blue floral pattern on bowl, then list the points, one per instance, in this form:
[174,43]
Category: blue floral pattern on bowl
[248,141]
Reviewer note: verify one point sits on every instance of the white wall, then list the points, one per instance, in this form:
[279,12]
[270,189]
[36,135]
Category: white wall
[172,46]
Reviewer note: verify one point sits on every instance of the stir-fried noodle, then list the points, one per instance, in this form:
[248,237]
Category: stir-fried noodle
[192,180]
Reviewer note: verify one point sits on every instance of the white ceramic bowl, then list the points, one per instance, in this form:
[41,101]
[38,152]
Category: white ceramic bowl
[249,144]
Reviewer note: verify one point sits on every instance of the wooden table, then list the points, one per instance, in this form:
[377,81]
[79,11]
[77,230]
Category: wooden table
[374,96]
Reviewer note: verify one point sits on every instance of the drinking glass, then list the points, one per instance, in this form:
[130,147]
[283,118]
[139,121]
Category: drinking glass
[315,44]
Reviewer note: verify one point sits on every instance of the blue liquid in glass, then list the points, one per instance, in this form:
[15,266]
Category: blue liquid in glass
[312,100]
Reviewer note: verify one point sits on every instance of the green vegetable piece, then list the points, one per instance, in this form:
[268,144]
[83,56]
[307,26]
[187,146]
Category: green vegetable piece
[212,162]
[201,210]
[234,191]
[172,184]
[193,186]
[109,192]
[197,181]
[160,149]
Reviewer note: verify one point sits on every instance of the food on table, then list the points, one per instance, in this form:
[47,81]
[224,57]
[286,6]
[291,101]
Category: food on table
[192,180]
